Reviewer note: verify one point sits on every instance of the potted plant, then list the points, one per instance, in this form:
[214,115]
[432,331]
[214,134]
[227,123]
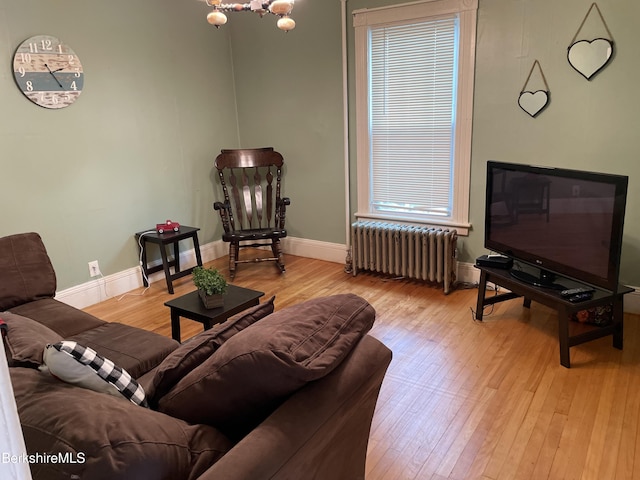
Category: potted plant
[211,286]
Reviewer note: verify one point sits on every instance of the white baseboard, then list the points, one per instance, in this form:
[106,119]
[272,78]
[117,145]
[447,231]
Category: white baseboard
[632,301]
[467,273]
[119,283]
[301,247]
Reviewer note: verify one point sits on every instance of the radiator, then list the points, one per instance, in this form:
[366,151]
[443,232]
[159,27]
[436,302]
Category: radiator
[423,253]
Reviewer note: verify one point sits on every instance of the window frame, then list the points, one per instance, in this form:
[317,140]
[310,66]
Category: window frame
[363,20]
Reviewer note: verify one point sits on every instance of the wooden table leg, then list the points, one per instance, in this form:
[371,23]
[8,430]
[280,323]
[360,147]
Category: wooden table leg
[618,321]
[482,289]
[176,256]
[196,248]
[175,325]
[563,337]
[165,267]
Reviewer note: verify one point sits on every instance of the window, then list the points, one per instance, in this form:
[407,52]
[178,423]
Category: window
[414,97]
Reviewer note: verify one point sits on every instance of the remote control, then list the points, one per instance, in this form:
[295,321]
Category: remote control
[580,297]
[574,291]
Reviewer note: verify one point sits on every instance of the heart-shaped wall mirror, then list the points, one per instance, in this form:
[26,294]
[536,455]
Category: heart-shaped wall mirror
[533,102]
[530,100]
[589,57]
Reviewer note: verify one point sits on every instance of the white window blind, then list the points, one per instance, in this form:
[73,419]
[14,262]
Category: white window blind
[413,72]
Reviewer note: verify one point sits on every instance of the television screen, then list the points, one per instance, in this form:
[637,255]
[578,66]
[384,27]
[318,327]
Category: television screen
[567,222]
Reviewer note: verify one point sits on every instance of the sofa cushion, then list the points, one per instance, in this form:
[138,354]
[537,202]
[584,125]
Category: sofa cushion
[82,366]
[146,381]
[193,352]
[115,440]
[134,349]
[63,319]
[26,273]
[256,369]
[25,340]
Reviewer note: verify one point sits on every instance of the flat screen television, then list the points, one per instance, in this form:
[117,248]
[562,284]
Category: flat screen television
[563,222]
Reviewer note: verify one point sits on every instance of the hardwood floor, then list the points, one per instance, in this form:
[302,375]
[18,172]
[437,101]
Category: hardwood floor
[462,399]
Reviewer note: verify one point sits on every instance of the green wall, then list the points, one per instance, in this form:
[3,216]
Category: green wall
[135,149]
[589,125]
[164,92]
[291,92]
[289,96]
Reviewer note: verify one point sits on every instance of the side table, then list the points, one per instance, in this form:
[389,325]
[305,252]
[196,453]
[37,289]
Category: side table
[163,240]
[190,306]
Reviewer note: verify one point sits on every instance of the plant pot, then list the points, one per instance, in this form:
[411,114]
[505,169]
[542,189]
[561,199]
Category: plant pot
[211,301]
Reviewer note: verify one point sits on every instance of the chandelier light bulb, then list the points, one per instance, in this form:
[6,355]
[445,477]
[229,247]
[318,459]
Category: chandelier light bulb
[281,7]
[286,23]
[216,18]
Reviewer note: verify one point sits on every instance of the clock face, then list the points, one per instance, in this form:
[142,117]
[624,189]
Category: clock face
[48,72]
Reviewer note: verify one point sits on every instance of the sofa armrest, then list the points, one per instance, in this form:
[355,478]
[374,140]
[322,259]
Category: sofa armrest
[27,273]
[320,432]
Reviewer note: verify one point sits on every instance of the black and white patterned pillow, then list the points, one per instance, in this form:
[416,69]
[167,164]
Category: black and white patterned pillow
[84,367]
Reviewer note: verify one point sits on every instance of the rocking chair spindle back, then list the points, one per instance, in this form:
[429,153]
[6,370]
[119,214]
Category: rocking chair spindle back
[251,211]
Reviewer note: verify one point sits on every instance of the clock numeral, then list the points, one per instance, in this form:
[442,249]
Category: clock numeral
[33,47]
[48,99]
[21,71]
[77,74]
[25,57]
[29,86]
[73,86]
[72,59]
[47,44]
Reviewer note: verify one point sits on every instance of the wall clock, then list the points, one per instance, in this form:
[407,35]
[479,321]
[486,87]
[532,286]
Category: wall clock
[48,72]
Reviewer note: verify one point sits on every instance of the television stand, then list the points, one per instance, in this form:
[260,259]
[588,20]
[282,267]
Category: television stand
[568,336]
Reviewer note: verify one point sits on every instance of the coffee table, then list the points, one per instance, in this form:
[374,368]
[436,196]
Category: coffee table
[190,306]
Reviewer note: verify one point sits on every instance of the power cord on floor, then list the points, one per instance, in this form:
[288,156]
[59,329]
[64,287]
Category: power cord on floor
[485,313]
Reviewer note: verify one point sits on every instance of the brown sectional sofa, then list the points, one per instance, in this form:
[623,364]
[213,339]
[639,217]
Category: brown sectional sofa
[283,395]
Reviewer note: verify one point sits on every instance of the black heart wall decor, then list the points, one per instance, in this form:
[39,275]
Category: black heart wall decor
[588,57]
[533,102]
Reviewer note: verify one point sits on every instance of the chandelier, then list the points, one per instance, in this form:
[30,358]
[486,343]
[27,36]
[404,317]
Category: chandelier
[281,8]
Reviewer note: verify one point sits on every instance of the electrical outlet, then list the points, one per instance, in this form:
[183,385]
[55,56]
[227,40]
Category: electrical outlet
[94,269]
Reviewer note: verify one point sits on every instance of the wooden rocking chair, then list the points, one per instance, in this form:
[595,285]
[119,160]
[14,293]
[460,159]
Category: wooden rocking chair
[253,210]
